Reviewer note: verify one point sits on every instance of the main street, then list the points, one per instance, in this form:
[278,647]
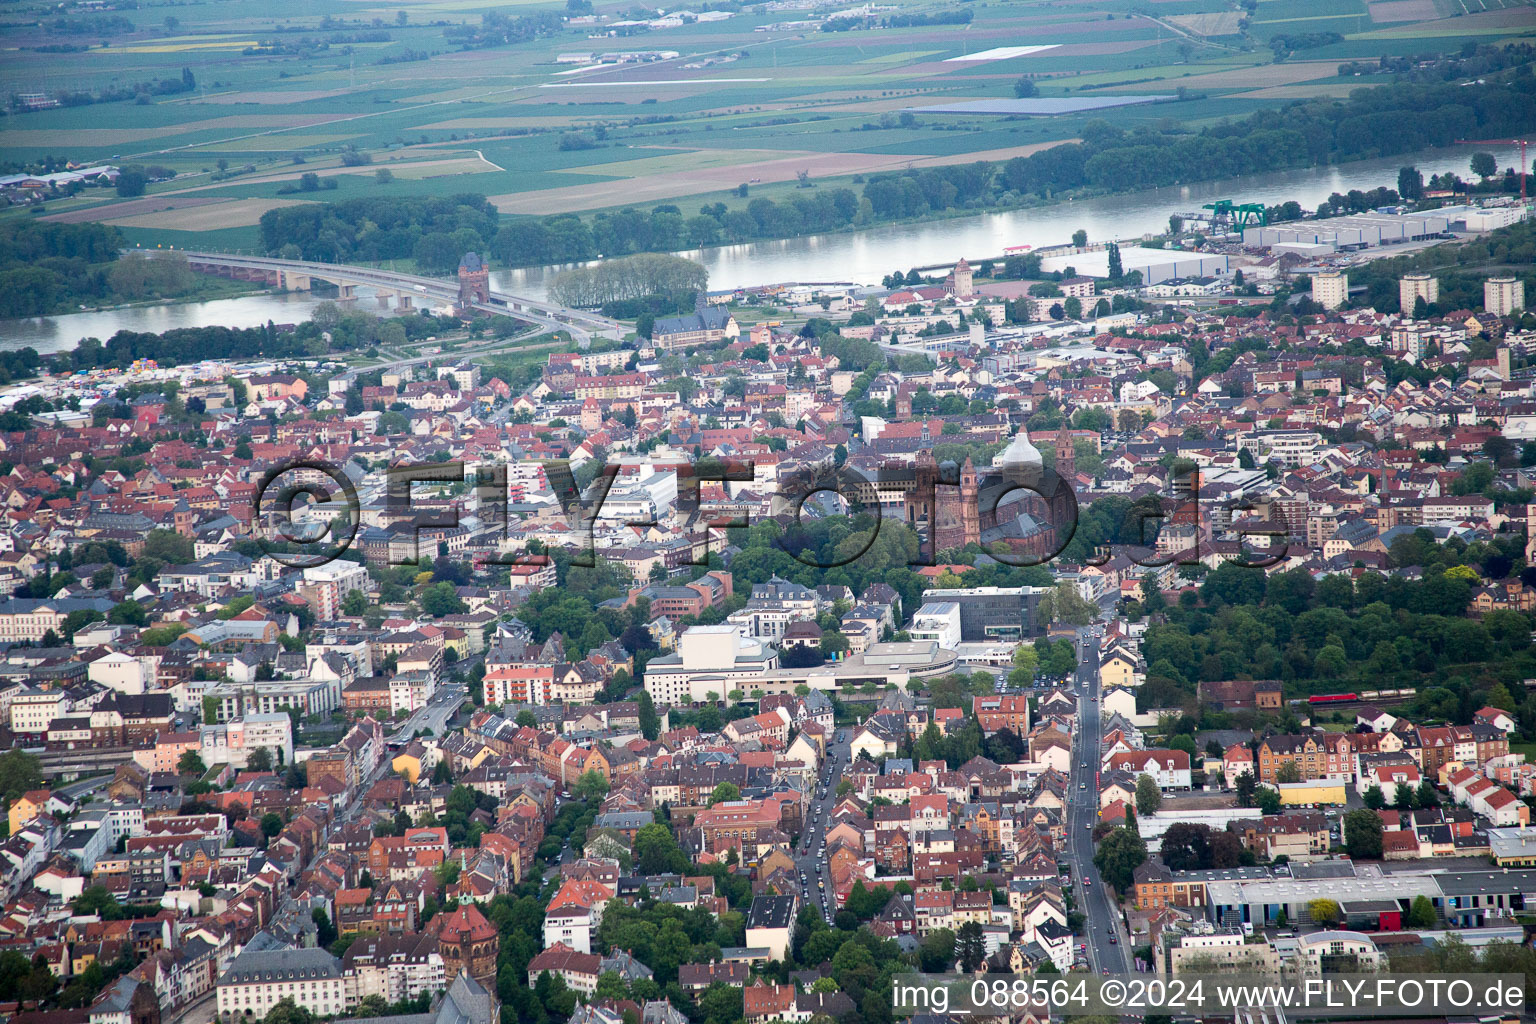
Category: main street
[811,854]
[1106,940]
[433,717]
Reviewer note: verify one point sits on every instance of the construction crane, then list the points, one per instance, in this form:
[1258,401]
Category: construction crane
[1503,142]
[1237,214]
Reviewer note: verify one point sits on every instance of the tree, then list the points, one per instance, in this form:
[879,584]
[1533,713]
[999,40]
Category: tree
[191,763]
[1403,799]
[1268,799]
[937,953]
[1079,238]
[1410,183]
[724,792]
[1427,795]
[441,599]
[1288,772]
[1374,798]
[98,900]
[1245,785]
[325,932]
[1362,834]
[355,603]
[1421,913]
[970,947]
[271,824]
[131,181]
[260,760]
[590,786]
[1118,856]
[1324,912]
[286,1011]
[1186,846]
[1148,796]
[650,721]
[128,613]
[656,851]
[1485,165]
[1025,87]
[1116,268]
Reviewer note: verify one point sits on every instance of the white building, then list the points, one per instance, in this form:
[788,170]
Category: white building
[1292,447]
[1330,288]
[234,741]
[33,710]
[1412,287]
[709,659]
[118,671]
[1319,947]
[257,981]
[410,691]
[325,587]
[938,621]
[1503,295]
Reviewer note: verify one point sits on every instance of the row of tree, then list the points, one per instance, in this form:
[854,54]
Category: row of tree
[434,231]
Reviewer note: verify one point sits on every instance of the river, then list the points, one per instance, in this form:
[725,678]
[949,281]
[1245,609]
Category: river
[863,256]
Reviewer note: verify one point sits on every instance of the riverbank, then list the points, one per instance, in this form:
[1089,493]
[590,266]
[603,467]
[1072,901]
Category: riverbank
[207,289]
[863,256]
[866,255]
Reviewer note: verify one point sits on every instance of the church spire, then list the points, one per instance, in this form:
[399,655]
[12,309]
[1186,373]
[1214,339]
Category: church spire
[1066,454]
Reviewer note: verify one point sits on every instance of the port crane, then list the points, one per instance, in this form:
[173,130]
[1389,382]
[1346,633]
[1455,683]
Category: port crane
[1237,214]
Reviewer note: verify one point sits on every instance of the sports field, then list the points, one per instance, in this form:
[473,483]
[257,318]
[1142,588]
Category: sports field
[697,105]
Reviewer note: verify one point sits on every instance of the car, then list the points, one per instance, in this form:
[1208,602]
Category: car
[1114,941]
[1083,946]
[1082,785]
[1087,883]
[1088,826]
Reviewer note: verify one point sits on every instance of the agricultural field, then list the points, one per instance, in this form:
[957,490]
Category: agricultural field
[513,100]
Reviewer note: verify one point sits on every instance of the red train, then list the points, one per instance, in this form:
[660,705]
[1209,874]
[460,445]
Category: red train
[1332,698]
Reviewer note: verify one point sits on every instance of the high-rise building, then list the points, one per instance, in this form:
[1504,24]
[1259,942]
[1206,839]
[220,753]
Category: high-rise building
[1330,288]
[1412,287]
[1503,295]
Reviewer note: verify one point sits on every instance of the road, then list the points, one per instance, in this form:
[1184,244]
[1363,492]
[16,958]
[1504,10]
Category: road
[434,717]
[811,854]
[1108,944]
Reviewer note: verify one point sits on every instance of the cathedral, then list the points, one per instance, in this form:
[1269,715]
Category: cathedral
[1014,501]
[966,508]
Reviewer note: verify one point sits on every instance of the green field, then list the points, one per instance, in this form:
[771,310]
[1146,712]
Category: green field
[741,83]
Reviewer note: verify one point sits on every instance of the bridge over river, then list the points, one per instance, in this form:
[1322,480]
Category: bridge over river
[406,290]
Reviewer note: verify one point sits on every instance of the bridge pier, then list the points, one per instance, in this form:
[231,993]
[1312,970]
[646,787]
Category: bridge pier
[384,297]
[294,281]
[404,303]
[348,292]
